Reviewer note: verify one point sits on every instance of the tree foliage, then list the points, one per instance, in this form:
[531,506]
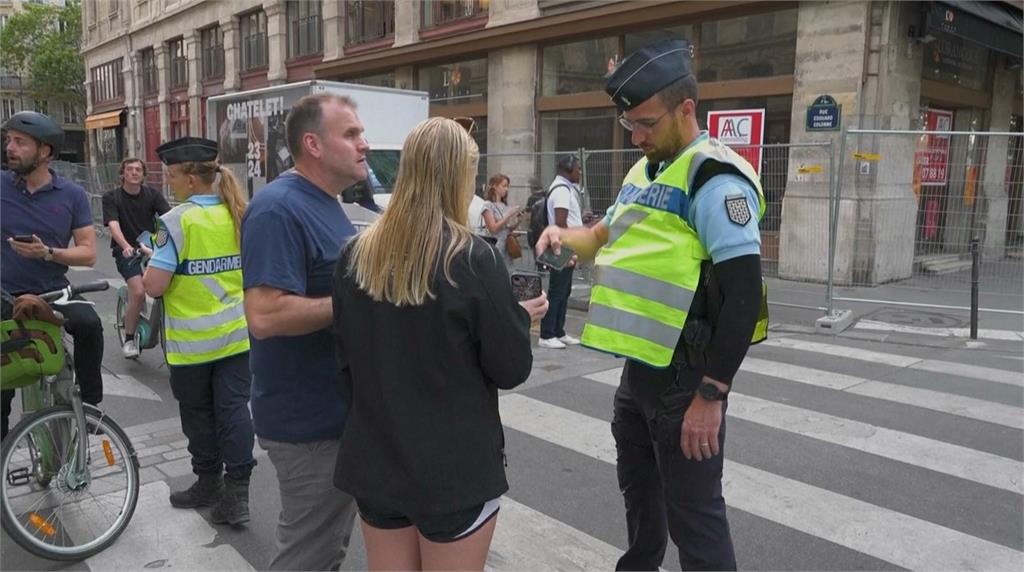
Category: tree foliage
[42,44]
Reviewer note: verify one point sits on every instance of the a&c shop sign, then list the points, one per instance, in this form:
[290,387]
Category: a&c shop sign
[742,130]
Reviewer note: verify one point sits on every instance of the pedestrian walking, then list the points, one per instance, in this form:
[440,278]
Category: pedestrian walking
[563,206]
[196,268]
[428,331]
[679,294]
[500,219]
[291,236]
[128,211]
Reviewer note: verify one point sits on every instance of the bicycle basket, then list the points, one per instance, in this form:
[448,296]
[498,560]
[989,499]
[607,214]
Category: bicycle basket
[29,349]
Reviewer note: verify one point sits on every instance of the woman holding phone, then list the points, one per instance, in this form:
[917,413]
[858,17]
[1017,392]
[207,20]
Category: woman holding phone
[498,217]
[427,330]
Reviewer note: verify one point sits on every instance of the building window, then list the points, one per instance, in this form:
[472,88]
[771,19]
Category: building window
[747,47]
[637,40]
[70,114]
[107,83]
[368,20]
[440,12]
[379,80]
[177,67]
[578,67]
[305,36]
[114,5]
[179,119]
[567,131]
[150,83]
[6,109]
[455,83]
[212,44]
[3,21]
[956,61]
[253,28]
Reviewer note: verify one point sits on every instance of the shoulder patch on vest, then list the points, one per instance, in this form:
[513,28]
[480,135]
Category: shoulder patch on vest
[738,210]
[161,234]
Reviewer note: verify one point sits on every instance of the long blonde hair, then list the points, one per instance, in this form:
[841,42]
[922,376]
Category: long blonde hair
[394,259]
[224,183]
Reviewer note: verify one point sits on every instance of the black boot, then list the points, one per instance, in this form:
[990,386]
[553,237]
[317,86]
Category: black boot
[233,507]
[204,492]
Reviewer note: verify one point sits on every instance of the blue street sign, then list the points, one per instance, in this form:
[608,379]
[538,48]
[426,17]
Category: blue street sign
[824,114]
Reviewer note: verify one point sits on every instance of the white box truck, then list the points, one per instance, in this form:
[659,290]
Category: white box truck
[249,126]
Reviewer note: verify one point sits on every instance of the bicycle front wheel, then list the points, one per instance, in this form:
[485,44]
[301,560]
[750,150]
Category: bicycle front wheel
[73,516]
[122,308]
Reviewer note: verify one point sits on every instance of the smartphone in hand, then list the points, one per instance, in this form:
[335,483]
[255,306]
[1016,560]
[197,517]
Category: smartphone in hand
[526,285]
[24,238]
[556,261]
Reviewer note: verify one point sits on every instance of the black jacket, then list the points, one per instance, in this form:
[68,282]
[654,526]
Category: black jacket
[423,435]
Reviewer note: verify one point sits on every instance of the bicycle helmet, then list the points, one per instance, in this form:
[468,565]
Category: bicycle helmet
[39,126]
[30,350]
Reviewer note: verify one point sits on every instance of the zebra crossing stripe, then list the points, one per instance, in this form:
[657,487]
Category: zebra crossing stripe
[987,374]
[954,460]
[959,405]
[885,534]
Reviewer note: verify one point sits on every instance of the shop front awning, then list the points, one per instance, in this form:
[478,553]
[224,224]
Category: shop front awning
[104,120]
[998,26]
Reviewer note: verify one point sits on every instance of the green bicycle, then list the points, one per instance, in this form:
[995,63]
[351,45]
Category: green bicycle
[70,473]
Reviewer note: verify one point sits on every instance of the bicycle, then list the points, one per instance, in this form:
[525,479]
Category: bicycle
[150,330]
[64,497]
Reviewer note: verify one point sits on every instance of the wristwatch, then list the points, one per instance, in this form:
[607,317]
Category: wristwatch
[49,254]
[710,391]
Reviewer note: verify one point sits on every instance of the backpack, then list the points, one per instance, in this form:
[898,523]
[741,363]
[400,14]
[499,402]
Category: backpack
[539,216]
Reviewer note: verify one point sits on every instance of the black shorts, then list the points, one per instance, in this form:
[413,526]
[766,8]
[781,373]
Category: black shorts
[127,267]
[435,528]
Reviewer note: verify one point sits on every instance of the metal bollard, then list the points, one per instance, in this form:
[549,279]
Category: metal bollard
[975,272]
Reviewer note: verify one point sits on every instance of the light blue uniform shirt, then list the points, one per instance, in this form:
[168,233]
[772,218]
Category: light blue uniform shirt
[709,216]
[166,257]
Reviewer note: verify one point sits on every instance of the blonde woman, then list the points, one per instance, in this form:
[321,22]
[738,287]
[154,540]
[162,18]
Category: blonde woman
[196,267]
[498,217]
[425,315]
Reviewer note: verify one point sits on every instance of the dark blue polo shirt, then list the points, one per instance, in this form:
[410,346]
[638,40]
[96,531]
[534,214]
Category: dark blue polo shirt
[51,213]
[292,234]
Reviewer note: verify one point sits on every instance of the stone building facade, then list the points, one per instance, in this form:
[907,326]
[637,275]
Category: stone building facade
[530,72]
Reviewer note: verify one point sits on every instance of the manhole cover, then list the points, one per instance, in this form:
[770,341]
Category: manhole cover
[915,318]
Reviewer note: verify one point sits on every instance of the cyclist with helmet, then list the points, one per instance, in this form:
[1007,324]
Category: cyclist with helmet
[40,214]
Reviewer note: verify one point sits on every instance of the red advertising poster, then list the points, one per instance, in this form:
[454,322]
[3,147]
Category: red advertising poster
[931,160]
[742,130]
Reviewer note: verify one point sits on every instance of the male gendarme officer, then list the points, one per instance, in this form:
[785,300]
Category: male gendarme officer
[678,293]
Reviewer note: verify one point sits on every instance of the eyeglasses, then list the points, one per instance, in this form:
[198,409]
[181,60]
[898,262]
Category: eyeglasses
[467,123]
[645,125]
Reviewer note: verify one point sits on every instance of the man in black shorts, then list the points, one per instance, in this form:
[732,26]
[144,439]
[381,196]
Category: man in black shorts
[128,211]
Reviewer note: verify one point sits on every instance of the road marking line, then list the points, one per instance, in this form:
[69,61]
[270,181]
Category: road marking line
[127,386]
[883,533]
[161,536]
[526,539]
[959,405]
[955,460]
[1007,335]
[988,374]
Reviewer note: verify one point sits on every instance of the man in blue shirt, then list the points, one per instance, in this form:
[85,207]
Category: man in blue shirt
[292,235]
[669,423]
[41,212]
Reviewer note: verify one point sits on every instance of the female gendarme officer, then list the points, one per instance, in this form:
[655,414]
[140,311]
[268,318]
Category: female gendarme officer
[196,267]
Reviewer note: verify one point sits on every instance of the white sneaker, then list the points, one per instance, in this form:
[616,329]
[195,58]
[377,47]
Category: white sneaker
[130,349]
[569,340]
[551,344]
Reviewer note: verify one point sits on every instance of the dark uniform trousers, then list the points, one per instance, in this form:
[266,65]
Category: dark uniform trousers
[213,399]
[666,494]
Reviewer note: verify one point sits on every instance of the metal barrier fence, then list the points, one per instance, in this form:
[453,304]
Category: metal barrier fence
[908,206]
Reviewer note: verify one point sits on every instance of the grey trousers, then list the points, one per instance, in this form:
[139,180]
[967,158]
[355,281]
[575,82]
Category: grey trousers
[316,520]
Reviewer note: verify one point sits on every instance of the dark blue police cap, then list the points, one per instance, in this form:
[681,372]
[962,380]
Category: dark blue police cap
[649,70]
[187,150]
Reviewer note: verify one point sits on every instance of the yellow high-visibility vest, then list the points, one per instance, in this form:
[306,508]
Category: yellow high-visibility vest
[204,319]
[646,276]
